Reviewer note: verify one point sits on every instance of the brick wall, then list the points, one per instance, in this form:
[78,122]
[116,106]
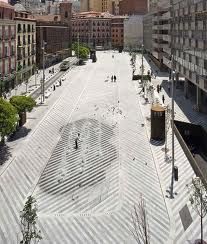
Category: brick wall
[133,7]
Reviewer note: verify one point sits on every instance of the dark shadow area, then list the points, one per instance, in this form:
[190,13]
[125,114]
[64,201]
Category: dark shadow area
[19,133]
[5,153]
[157,143]
[193,139]
[185,104]
[72,170]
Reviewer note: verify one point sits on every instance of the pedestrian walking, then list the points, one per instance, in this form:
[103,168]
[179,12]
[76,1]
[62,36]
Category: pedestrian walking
[53,87]
[163,98]
[60,82]
[4,95]
[76,141]
[158,88]
[112,78]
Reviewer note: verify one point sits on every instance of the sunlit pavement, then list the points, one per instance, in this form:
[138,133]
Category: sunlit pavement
[87,195]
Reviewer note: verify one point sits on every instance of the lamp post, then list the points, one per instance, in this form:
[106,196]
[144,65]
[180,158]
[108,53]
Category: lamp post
[78,46]
[173,132]
[43,73]
[142,67]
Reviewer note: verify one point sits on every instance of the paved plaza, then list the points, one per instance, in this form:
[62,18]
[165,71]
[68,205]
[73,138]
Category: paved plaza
[86,195]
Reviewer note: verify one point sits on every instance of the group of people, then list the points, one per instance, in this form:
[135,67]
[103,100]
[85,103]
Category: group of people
[113,78]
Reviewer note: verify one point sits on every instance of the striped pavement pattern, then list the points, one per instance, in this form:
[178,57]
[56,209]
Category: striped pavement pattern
[185,170]
[87,196]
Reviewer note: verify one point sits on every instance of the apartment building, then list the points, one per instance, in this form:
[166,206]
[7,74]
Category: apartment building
[7,47]
[133,32]
[132,7]
[96,5]
[117,31]
[189,48]
[25,44]
[54,33]
[93,28]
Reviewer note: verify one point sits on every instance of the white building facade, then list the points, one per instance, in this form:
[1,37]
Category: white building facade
[133,32]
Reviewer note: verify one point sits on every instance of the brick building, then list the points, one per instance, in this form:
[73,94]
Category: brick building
[131,7]
[55,32]
[93,28]
[7,47]
[117,31]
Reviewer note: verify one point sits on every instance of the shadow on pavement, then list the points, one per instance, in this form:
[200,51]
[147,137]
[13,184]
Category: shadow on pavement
[21,132]
[186,105]
[5,153]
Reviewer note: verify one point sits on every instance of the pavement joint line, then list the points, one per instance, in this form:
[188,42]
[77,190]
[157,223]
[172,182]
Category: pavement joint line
[159,174]
[74,108]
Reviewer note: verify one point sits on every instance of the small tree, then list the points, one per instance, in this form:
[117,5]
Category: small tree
[140,227]
[23,104]
[198,200]
[30,233]
[8,119]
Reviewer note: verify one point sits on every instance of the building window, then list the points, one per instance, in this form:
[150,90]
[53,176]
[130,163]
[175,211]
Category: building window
[66,14]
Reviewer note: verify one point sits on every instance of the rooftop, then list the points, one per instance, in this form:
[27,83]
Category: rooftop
[5,5]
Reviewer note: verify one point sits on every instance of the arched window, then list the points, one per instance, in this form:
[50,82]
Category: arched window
[66,14]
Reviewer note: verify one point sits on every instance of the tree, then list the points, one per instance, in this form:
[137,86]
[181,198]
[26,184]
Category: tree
[198,199]
[30,233]
[22,105]
[82,51]
[140,227]
[8,119]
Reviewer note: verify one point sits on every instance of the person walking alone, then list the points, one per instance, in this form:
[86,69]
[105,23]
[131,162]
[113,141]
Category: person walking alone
[76,141]
[163,99]
[114,78]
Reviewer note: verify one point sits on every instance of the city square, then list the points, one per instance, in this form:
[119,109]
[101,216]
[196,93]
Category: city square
[87,195]
[103,121]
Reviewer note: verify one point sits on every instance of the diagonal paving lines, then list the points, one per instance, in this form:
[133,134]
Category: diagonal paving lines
[185,170]
[104,217]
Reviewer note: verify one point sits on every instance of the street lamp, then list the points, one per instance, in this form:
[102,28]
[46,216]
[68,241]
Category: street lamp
[43,72]
[173,132]
[142,68]
[78,46]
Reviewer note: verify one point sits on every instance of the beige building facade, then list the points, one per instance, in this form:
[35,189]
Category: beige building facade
[25,46]
[96,5]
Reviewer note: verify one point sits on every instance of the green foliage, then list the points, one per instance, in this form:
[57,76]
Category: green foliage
[28,222]
[83,51]
[8,118]
[23,103]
